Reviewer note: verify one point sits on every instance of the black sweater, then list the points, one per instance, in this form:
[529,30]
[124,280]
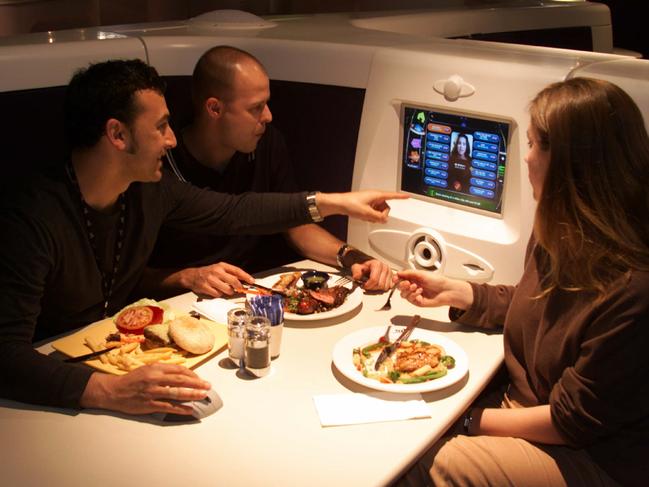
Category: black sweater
[49,278]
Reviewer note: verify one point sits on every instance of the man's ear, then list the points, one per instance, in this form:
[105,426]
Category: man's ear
[117,134]
[213,107]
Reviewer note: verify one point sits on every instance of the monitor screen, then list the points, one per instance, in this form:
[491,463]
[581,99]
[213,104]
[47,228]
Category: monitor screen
[454,158]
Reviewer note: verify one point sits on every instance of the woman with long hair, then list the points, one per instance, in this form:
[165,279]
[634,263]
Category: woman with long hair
[576,326]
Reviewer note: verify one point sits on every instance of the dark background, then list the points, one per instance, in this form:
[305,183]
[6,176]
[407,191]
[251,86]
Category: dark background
[629,25]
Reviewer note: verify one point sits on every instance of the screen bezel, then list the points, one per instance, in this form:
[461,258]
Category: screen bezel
[463,113]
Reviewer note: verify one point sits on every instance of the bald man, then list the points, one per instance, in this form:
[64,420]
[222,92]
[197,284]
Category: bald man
[231,147]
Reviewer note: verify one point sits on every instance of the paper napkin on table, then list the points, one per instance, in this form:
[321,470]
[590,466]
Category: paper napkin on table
[357,408]
[215,309]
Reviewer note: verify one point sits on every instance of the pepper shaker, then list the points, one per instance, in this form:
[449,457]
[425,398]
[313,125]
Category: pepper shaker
[257,347]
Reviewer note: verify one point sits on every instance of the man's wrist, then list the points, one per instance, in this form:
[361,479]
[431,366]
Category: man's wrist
[348,255]
[341,253]
[312,207]
[94,394]
[330,204]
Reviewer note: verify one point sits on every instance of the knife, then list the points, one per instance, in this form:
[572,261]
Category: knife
[88,356]
[387,351]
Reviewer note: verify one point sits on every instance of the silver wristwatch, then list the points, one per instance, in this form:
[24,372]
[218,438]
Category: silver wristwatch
[313,207]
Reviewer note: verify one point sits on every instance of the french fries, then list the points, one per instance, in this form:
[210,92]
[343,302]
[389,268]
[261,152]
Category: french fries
[130,356]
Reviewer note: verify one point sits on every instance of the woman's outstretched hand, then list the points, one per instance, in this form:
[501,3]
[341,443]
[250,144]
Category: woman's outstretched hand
[427,289]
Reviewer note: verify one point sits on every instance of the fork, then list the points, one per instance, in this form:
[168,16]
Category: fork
[344,280]
[386,336]
[405,334]
[388,305]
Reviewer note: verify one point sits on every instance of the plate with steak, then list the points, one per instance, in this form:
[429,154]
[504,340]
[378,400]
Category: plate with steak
[302,304]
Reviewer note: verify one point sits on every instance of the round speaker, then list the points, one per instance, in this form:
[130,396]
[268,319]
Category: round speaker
[426,250]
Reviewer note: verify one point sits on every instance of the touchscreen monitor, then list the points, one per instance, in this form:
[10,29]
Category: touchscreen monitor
[454,158]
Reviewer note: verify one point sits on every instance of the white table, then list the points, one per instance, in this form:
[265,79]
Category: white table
[268,431]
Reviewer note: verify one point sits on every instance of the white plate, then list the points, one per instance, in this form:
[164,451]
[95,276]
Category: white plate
[352,302]
[342,357]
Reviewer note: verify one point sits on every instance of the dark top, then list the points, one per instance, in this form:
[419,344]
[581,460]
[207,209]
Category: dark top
[267,169]
[459,174]
[587,359]
[49,277]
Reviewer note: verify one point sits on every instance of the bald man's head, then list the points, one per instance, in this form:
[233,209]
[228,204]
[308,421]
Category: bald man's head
[215,73]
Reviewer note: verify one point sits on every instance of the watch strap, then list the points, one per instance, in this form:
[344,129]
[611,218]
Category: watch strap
[312,206]
[466,424]
[348,255]
[341,252]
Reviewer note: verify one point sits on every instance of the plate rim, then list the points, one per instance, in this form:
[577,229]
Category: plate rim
[357,295]
[342,359]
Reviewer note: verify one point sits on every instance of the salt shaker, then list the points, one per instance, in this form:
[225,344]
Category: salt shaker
[257,346]
[237,319]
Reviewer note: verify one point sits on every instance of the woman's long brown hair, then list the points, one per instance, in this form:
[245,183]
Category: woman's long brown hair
[592,217]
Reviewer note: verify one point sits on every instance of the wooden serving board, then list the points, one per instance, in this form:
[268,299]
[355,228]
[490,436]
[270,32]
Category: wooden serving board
[74,345]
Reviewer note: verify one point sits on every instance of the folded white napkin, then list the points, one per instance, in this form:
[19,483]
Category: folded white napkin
[215,309]
[357,408]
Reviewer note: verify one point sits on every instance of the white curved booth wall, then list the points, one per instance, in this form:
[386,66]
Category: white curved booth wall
[388,68]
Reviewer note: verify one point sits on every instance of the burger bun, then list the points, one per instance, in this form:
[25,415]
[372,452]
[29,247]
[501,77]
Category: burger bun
[191,335]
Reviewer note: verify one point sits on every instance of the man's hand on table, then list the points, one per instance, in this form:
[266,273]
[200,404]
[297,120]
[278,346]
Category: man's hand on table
[145,390]
[214,280]
[379,275]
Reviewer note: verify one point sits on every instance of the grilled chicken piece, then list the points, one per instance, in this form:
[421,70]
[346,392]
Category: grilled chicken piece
[287,281]
[410,357]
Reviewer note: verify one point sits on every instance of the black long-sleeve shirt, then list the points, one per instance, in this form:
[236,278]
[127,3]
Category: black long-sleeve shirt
[50,281]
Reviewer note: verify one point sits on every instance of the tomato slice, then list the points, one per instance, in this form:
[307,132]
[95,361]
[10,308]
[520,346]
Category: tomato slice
[134,319]
[158,315]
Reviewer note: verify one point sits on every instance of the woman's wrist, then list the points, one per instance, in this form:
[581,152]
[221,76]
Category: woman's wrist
[467,422]
[464,295]
[471,421]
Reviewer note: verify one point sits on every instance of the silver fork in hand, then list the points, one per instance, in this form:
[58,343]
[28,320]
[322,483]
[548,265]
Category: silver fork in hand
[388,305]
[344,280]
